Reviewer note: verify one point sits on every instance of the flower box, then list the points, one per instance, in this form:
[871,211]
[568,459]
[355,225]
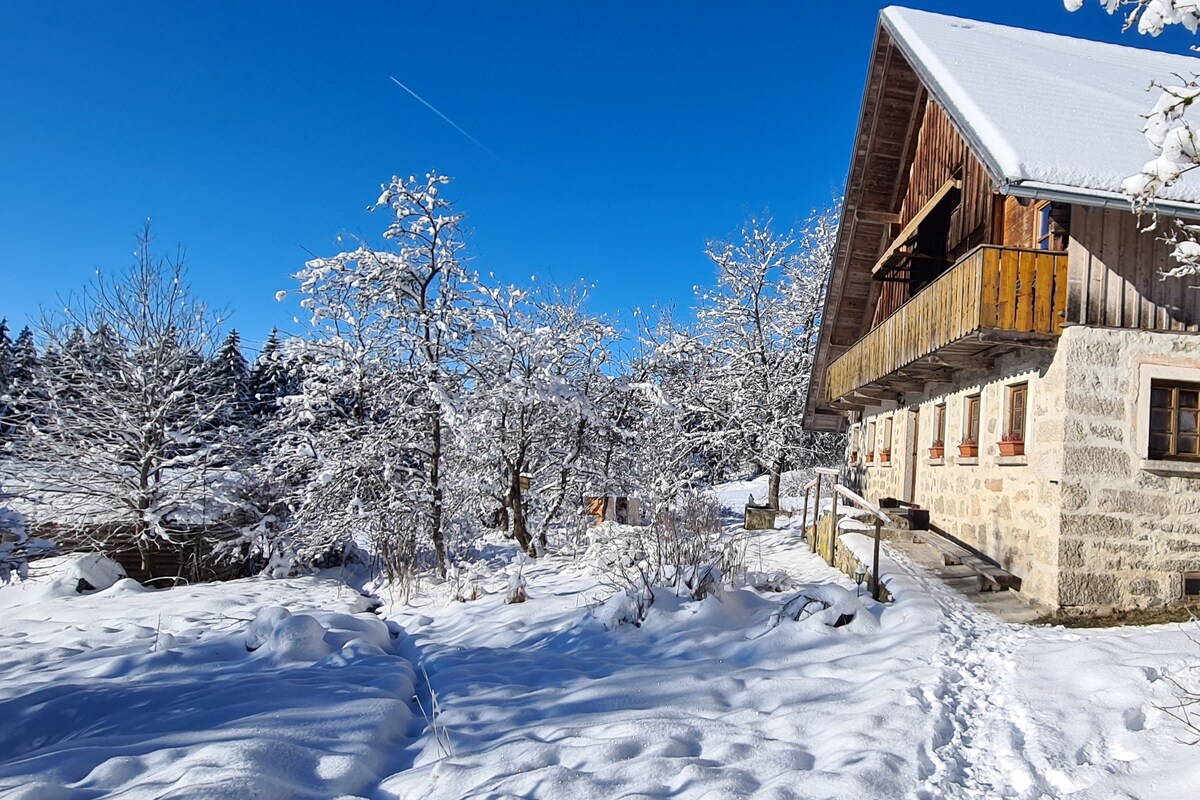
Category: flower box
[937,451]
[968,450]
[870,457]
[885,456]
[1012,448]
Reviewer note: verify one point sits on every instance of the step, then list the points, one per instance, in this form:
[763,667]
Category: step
[954,554]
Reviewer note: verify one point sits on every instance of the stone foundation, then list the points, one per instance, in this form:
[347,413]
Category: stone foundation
[1080,517]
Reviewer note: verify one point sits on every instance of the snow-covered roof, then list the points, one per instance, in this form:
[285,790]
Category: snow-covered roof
[1047,114]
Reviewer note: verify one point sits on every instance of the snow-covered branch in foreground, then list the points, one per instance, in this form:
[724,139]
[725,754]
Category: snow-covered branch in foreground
[1170,133]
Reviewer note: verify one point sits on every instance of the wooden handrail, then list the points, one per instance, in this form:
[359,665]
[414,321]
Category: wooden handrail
[862,503]
[880,519]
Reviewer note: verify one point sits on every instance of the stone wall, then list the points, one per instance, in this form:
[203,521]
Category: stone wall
[1129,527]
[1004,507]
[1085,521]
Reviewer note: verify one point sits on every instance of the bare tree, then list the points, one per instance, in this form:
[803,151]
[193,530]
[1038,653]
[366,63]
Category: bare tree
[121,449]
[739,377]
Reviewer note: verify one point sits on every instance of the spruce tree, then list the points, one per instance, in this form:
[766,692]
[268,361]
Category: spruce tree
[6,368]
[271,378]
[230,382]
[26,384]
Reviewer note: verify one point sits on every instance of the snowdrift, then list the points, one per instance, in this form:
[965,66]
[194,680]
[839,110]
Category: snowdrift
[270,688]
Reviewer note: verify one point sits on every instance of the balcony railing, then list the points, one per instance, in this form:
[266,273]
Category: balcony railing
[993,294]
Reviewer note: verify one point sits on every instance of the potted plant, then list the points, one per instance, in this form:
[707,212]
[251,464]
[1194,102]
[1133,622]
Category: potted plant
[968,448]
[1012,444]
[853,456]
[885,456]
[870,456]
[937,449]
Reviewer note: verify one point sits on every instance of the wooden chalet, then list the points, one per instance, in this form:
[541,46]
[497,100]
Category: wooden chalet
[992,287]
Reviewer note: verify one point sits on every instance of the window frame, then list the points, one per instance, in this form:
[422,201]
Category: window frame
[1048,234]
[972,416]
[1011,392]
[939,424]
[1175,409]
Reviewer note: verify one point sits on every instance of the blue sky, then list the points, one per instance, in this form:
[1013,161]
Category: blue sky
[624,134]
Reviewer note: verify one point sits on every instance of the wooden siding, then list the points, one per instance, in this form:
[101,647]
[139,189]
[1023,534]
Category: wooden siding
[1020,224]
[941,154]
[1007,293]
[1114,275]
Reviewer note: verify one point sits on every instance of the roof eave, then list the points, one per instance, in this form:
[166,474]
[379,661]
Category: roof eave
[1098,198]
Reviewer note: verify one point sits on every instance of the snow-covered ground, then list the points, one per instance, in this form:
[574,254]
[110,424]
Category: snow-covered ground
[137,693]
[154,694]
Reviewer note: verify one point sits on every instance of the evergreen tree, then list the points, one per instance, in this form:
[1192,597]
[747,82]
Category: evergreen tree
[6,356]
[6,368]
[229,382]
[26,382]
[272,377]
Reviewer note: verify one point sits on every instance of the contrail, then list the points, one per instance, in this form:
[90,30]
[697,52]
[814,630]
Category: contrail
[452,123]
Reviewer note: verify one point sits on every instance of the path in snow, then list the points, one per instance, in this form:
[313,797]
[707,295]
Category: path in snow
[538,700]
[980,735]
[942,702]
[1034,712]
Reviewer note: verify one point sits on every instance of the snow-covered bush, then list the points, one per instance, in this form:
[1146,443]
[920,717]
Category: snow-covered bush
[517,588]
[826,605]
[16,547]
[685,551]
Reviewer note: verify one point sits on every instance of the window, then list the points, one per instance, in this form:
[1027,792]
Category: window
[1191,585]
[1018,400]
[1052,226]
[869,446]
[939,423]
[886,445]
[1174,418]
[971,420]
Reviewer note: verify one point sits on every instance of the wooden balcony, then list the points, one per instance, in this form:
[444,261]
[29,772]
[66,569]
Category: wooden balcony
[993,299]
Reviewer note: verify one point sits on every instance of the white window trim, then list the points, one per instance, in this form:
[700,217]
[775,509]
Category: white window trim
[1141,418]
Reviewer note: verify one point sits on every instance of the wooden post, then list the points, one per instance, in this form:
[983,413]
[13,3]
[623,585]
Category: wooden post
[816,517]
[804,519]
[833,532]
[875,565]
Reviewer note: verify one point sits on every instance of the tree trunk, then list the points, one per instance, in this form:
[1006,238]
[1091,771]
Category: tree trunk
[519,528]
[776,471]
[435,486]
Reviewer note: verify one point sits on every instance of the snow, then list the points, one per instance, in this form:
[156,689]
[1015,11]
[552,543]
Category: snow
[284,688]
[1051,111]
[927,697]
[270,688]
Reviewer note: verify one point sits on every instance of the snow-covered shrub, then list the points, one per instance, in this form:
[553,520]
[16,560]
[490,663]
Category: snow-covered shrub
[826,605]
[685,551]
[16,547]
[773,581]
[627,606]
[516,592]
[466,580]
